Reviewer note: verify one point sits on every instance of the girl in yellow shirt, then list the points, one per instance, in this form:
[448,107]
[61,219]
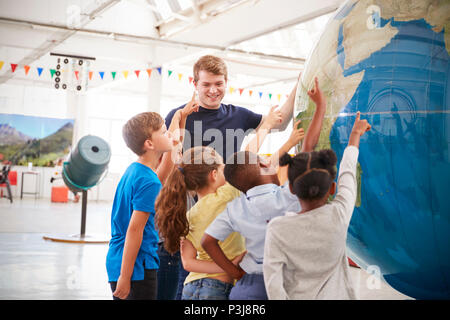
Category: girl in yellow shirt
[201,170]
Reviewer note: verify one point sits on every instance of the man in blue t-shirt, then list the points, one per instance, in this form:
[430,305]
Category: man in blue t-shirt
[220,126]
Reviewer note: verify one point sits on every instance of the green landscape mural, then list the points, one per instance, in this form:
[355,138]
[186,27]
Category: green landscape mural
[39,140]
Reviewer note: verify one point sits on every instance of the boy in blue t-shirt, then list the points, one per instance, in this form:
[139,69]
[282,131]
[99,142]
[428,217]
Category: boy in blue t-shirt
[132,260]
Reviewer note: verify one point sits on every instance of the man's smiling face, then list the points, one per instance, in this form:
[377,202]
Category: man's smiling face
[211,89]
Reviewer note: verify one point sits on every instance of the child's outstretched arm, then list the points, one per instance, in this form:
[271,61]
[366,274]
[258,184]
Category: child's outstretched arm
[347,185]
[190,107]
[192,264]
[313,132]
[270,121]
[287,109]
[212,248]
[296,136]
[176,128]
[359,128]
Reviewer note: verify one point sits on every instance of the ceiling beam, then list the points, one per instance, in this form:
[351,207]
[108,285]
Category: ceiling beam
[315,14]
[199,14]
[248,20]
[67,32]
[60,36]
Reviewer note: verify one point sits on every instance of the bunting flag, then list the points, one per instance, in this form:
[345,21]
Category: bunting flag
[149,72]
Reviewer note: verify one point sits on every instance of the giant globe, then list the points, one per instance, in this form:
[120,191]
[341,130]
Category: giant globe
[390,61]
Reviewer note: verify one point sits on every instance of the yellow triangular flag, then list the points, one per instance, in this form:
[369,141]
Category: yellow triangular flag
[279,97]
[180,75]
[231,90]
[1,64]
[125,74]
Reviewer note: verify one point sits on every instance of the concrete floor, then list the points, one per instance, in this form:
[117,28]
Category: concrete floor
[37,269]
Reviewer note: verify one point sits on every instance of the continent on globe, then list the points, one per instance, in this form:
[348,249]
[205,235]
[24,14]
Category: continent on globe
[389,59]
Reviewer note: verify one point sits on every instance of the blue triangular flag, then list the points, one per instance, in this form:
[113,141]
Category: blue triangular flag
[101,73]
[39,70]
[260,94]
[159,70]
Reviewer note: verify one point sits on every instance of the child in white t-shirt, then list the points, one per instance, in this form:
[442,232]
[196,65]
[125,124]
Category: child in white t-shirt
[304,252]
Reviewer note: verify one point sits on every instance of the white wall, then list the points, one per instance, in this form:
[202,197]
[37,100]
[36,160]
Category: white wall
[104,112]
[104,116]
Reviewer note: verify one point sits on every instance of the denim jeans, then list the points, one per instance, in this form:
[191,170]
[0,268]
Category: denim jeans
[182,276]
[141,289]
[206,289]
[168,273]
[249,287]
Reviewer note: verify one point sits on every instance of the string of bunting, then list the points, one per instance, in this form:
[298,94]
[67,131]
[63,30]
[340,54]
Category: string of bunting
[125,73]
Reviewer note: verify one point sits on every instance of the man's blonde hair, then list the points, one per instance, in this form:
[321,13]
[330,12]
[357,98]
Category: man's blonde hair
[212,64]
[140,128]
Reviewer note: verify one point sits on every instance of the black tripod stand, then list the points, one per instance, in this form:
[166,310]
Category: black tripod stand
[5,180]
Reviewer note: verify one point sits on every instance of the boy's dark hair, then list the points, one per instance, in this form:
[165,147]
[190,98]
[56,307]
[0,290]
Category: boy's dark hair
[241,169]
[140,128]
[311,173]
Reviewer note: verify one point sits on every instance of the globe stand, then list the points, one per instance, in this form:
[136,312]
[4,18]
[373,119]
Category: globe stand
[82,237]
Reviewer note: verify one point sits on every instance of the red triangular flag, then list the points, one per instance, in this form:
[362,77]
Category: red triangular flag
[76,74]
[190,79]
[240,91]
[13,67]
[137,73]
[27,68]
[149,71]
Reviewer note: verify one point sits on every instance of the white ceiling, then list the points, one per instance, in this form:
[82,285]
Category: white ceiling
[263,41]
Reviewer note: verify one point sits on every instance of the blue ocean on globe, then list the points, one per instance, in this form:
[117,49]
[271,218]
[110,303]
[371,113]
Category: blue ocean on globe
[402,225]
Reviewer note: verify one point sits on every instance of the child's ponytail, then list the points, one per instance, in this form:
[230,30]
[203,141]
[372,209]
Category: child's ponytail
[285,159]
[171,204]
[170,207]
[311,174]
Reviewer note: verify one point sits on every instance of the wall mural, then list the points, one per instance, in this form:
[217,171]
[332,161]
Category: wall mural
[39,140]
